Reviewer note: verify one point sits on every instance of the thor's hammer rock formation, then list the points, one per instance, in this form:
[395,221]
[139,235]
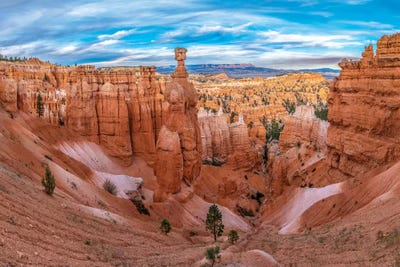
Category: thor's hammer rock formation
[179,142]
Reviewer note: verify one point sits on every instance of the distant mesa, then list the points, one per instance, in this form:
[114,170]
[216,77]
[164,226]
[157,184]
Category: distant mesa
[244,70]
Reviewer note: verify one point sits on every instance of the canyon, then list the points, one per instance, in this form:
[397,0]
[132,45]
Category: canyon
[325,193]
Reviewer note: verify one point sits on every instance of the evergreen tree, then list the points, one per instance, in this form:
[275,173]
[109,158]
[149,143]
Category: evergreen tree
[212,254]
[274,130]
[165,226]
[214,221]
[48,182]
[39,105]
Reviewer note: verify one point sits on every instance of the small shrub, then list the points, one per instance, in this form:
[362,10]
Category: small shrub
[233,236]
[390,239]
[110,187]
[321,111]
[141,208]
[212,254]
[213,162]
[48,182]
[244,212]
[192,233]
[165,226]
[289,106]
[258,196]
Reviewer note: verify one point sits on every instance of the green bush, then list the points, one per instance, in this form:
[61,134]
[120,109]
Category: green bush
[274,129]
[110,187]
[289,106]
[233,236]
[321,111]
[165,226]
[48,181]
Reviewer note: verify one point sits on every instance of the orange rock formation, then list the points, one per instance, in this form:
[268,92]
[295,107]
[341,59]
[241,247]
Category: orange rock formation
[119,108]
[300,151]
[364,112]
[179,143]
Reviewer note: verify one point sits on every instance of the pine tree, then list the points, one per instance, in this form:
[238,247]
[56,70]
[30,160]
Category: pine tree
[48,182]
[214,221]
[39,105]
[212,254]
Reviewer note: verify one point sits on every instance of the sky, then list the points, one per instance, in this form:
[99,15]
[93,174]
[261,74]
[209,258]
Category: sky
[277,34]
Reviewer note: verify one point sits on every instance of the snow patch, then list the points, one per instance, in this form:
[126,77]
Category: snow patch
[124,183]
[103,214]
[303,200]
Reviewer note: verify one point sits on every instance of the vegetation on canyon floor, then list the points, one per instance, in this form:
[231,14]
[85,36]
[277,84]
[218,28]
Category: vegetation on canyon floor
[48,182]
[214,221]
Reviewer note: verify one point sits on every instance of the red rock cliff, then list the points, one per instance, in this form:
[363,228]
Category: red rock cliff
[364,112]
[119,108]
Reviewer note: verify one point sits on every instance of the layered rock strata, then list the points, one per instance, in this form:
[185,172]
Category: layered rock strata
[227,143]
[120,108]
[301,145]
[364,112]
[179,143]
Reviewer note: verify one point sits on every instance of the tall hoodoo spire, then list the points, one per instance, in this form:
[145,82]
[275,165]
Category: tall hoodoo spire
[180,56]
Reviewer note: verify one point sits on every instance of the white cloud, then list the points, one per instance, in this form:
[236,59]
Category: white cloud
[117,35]
[66,49]
[368,24]
[299,40]
[219,28]
[27,49]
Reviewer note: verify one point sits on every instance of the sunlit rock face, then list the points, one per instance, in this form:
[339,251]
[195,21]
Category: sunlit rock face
[179,143]
[364,110]
[119,108]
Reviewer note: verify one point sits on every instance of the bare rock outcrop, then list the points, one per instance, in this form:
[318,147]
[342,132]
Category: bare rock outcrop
[215,137]
[303,128]
[227,143]
[119,108]
[364,110]
[179,136]
[301,147]
[244,153]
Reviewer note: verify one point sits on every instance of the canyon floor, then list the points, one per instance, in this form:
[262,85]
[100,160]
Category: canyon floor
[82,225]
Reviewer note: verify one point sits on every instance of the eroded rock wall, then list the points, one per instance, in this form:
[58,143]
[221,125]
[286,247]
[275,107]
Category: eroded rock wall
[223,142]
[364,112]
[120,108]
[295,159]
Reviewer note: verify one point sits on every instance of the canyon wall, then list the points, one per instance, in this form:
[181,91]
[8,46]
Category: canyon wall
[301,148]
[224,142]
[120,108]
[364,112]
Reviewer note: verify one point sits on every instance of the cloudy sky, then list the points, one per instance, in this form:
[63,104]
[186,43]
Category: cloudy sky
[278,34]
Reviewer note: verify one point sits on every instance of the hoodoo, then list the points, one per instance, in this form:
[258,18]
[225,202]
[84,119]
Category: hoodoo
[179,142]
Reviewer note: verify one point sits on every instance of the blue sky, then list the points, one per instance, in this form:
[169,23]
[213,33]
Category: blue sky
[278,34]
